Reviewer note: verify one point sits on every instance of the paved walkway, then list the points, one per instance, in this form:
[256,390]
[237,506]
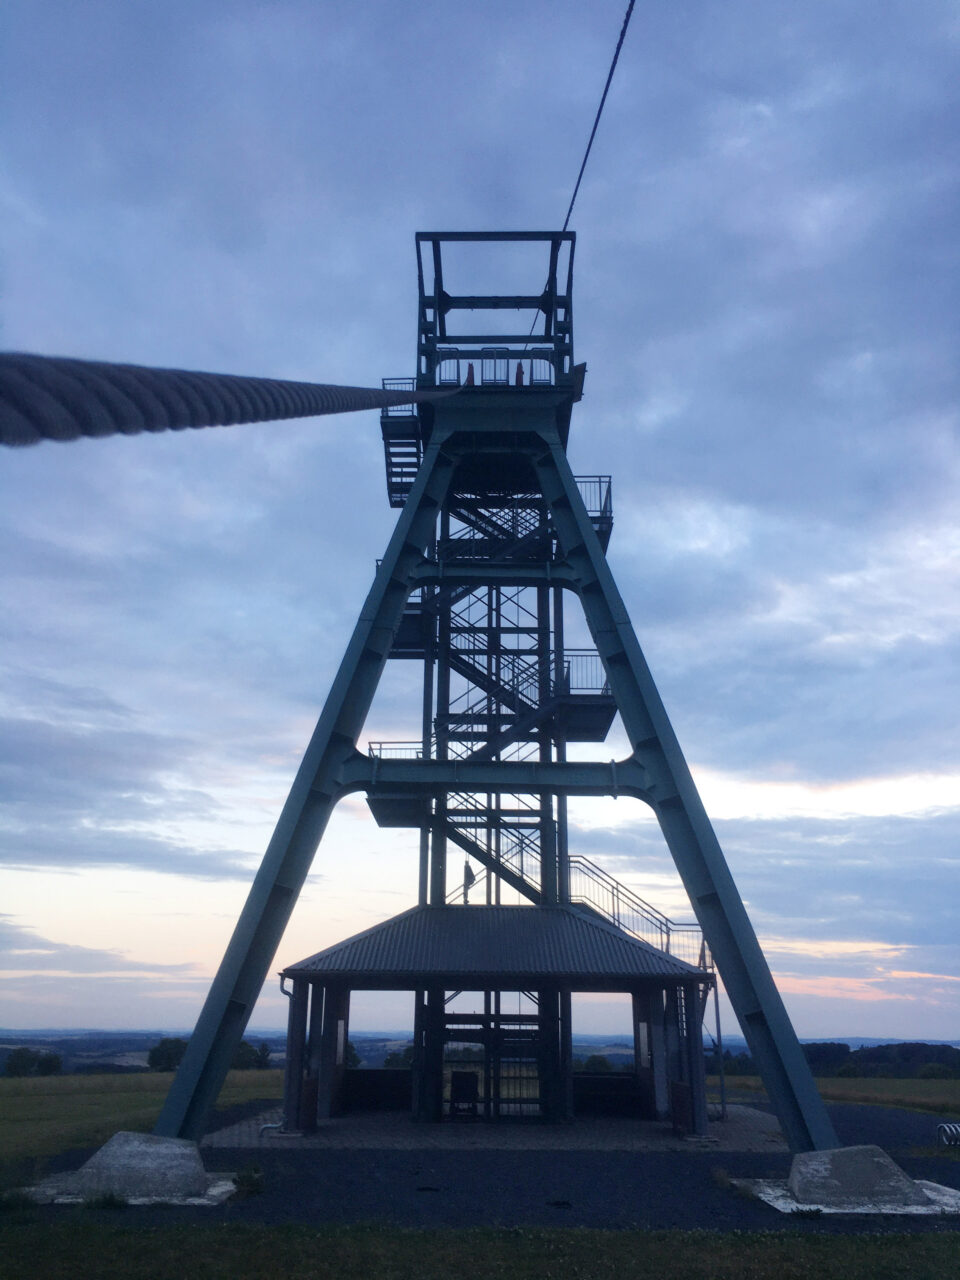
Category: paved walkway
[745,1129]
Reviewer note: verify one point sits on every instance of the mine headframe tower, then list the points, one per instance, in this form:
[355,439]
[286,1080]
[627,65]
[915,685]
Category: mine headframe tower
[494,532]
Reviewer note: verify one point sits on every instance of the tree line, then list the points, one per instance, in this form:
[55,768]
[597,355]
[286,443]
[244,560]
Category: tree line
[168,1054]
[907,1061]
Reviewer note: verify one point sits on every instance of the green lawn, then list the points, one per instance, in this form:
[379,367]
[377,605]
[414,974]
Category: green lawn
[76,1246]
[939,1096]
[41,1116]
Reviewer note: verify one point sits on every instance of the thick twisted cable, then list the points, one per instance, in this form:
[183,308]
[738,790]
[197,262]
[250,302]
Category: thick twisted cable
[54,398]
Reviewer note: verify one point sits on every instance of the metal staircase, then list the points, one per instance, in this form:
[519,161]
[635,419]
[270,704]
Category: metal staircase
[594,890]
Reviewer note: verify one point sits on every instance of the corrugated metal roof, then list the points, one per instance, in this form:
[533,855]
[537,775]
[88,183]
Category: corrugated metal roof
[486,945]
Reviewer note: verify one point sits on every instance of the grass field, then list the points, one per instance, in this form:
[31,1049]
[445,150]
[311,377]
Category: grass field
[939,1096]
[77,1246]
[41,1116]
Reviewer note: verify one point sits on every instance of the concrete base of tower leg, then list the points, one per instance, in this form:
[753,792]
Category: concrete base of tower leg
[861,1180]
[138,1168]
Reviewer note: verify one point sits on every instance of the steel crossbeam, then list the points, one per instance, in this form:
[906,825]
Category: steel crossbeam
[506,777]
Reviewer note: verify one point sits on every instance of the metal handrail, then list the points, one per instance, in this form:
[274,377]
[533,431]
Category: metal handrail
[497,366]
[622,907]
[597,495]
[596,888]
[583,672]
[399,410]
[396,750]
[579,670]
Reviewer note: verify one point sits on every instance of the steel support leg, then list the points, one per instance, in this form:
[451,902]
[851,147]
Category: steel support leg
[683,819]
[303,820]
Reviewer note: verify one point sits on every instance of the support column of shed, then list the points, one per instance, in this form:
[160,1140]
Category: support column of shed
[311,1080]
[332,1054]
[556,1084]
[696,1068]
[296,1040]
[428,1054]
[675,1055]
[650,1046]
[566,1051]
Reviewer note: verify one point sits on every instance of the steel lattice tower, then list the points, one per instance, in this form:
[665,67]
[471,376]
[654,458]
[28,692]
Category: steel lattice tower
[494,535]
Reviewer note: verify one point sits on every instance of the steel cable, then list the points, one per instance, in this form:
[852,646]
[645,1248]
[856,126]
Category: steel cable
[54,398]
[593,131]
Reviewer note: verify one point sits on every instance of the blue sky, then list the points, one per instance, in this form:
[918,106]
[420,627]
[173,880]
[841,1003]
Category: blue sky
[766,298]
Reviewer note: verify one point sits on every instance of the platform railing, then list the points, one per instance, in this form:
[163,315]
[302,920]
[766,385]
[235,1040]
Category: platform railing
[497,366]
[396,750]
[399,410]
[582,672]
[597,496]
[578,671]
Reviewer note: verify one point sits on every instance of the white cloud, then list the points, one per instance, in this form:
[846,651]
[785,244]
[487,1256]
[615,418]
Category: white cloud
[737,797]
[907,589]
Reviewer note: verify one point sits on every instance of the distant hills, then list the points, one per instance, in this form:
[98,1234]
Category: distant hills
[95,1049]
[738,1044]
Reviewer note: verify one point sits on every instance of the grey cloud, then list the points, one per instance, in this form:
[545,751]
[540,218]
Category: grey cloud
[774,711]
[73,848]
[83,771]
[23,948]
[75,798]
[893,878]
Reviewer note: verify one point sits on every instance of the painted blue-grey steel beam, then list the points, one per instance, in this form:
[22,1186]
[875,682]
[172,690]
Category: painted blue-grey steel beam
[683,819]
[492,574]
[314,793]
[628,777]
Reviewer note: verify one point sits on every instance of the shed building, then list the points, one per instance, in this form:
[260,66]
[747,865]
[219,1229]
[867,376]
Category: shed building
[522,1061]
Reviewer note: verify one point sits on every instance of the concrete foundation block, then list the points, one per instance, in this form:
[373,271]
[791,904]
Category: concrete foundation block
[131,1165]
[851,1177]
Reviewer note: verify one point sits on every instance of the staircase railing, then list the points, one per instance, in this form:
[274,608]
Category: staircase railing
[597,890]
[592,887]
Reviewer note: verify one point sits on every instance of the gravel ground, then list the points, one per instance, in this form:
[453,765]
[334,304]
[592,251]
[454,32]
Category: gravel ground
[745,1129]
[570,1186]
[896,1130]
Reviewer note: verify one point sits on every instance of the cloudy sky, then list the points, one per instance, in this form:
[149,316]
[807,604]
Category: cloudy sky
[766,298]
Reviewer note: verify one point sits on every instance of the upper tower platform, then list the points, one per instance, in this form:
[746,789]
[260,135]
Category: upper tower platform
[508,355]
[536,333]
